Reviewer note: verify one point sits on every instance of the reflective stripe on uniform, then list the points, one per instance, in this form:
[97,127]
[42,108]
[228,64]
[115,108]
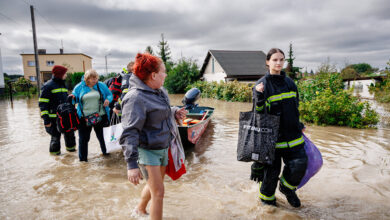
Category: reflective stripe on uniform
[52,115]
[259,108]
[286,184]
[71,148]
[55,153]
[125,90]
[59,90]
[43,100]
[264,197]
[290,144]
[281,96]
[44,113]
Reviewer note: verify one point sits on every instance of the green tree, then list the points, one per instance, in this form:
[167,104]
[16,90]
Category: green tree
[290,69]
[184,73]
[149,50]
[349,73]
[362,68]
[165,52]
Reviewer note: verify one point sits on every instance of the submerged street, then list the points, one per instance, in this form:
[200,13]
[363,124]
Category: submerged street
[352,184]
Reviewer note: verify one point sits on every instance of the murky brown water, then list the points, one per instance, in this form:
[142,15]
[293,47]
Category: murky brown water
[354,182]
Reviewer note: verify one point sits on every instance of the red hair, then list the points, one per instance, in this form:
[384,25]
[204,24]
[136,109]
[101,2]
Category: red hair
[145,64]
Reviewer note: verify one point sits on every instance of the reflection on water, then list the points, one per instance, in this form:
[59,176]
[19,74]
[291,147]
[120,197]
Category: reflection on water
[352,184]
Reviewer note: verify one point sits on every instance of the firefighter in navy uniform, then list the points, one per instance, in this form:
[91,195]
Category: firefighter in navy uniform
[54,92]
[278,94]
[125,87]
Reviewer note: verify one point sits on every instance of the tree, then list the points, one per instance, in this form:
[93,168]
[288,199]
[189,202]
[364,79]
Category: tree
[184,73]
[149,50]
[349,73]
[164,52]
[362,68]
[290,69]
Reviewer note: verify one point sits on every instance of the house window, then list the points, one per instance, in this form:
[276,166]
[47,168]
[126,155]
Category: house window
[32,79]
[30,63]
[50,63]
[212,66]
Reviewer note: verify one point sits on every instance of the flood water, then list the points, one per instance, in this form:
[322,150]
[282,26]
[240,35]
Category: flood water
[354,182]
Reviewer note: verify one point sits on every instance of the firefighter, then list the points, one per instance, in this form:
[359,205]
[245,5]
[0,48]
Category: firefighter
[278,94]
[53,93]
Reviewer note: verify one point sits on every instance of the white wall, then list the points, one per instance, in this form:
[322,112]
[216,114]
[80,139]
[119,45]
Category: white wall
[218,75]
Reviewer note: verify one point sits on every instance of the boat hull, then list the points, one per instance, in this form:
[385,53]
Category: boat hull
[190,135]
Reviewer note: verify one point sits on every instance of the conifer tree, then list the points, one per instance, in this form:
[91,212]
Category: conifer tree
[164,52]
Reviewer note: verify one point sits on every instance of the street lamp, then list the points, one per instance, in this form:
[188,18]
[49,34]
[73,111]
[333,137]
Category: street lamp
[106,62]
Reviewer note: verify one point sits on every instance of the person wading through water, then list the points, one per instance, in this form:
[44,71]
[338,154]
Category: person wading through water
[279,94]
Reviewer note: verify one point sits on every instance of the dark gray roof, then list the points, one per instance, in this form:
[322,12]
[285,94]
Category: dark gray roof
[238,63]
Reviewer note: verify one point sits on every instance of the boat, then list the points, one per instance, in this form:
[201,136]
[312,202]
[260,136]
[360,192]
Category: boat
[197,119]
[194,125]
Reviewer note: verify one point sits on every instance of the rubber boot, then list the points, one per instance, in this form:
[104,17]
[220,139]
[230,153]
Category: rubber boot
[268,202]
[291,196]
[257,172]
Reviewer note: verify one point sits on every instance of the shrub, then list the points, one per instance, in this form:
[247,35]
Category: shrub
[181,75]
[228,91]
[324,102]
[72,79]
[381,90]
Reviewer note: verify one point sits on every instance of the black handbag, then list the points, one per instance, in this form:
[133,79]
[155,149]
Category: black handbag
[257,136]
[94,118]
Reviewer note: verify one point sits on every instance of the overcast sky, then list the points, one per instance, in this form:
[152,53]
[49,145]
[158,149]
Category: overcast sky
[345,31]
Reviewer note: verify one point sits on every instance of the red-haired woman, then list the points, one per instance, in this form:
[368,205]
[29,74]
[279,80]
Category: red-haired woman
[147,123]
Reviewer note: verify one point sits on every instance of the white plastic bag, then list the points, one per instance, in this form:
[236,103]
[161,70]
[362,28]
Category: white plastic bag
[112,134]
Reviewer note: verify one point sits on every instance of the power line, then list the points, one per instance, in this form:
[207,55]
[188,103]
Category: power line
[9,18]
[36,9]
[26,2]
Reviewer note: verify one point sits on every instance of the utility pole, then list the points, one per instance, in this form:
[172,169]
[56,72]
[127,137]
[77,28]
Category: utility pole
[105,57]
[35,50]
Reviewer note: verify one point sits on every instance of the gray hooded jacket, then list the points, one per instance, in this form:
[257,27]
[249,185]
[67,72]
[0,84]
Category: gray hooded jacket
[146,120]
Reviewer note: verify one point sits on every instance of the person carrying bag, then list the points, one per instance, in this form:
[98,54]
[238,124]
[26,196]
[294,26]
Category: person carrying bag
[257,137]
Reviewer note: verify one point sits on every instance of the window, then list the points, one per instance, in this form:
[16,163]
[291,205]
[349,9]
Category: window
[30,63]
[32,79]
[50,63]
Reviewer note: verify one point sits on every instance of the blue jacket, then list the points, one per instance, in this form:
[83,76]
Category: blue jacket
[81,89]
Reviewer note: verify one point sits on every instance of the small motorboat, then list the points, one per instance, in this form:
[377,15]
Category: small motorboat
[197,119]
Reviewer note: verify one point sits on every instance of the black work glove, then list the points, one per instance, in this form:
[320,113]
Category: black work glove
[257,172]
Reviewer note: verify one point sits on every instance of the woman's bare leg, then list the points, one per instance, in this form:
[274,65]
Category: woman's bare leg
[146,195]
[156,189]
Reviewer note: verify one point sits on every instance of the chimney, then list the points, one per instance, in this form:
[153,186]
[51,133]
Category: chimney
[61,50]
[41,51]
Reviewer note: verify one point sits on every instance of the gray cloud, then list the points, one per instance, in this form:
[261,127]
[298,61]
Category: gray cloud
[353,31]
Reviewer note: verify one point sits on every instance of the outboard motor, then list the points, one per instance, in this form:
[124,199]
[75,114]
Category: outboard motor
[190,98]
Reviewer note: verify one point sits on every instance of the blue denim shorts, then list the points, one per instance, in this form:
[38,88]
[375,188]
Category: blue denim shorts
[153,157]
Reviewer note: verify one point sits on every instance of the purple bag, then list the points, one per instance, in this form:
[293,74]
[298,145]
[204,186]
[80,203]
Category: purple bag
[314,161]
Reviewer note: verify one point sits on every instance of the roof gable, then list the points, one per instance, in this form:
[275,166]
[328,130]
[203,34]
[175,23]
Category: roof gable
[238,63]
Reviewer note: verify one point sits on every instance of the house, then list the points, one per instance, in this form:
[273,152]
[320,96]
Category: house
[229,65]
[75,62]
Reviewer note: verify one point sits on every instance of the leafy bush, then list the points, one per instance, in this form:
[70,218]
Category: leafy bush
[228,91]
[311,87]
[324,102]
[72,79]
[182,74]
[381,90]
